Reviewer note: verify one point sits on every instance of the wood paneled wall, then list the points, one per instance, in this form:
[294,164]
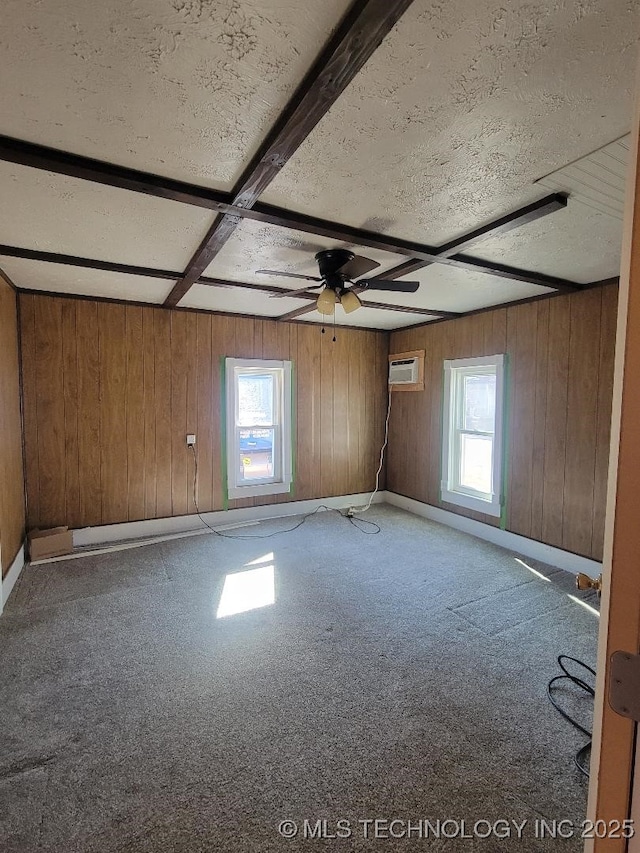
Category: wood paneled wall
[559,408]
[11,473]
[110,392]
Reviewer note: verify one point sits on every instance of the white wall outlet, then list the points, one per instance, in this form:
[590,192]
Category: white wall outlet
[191,440]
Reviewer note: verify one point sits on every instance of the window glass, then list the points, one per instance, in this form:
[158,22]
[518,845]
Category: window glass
[256,454]
[255,399]
[480,402]
[476,462]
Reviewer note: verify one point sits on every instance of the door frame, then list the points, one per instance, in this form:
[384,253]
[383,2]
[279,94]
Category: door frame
[613,748]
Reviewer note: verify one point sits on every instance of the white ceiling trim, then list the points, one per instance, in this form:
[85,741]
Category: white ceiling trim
[597,180]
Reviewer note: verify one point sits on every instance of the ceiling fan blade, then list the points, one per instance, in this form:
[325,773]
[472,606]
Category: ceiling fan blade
[389,285]
[289,275]
[357,266]
[295,292]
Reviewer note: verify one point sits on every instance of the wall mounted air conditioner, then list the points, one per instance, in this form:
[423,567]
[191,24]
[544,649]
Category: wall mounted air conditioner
[406,371]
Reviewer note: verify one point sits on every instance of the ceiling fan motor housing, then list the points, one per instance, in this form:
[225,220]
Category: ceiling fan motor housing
[330,262]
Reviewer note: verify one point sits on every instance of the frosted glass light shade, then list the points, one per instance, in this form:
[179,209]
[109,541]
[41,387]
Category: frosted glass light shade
[350,302]
[326,303]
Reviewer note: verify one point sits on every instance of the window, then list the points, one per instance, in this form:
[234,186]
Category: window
[472,434]
[258,427]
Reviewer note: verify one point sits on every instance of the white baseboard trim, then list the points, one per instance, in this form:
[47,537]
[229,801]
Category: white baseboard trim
[187,524]
[511,541]
[9,581]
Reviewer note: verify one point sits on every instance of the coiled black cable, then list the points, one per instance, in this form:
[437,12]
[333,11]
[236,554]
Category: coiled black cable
[580,756]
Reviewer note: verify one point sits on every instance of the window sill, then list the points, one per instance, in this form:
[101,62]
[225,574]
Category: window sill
[469,502]
[258,490]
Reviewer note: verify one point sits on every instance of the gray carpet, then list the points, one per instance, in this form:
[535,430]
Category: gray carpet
[398,676]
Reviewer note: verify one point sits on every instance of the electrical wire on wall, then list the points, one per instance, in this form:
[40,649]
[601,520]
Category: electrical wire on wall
[276,532]
[580,758]
[353,510]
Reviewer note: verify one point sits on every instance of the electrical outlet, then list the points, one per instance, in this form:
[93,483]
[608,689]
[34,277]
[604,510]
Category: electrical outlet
[191,440]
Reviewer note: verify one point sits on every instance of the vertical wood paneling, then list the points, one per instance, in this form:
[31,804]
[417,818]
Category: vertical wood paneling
[146,377]
[245,343]
[540,415]
[368,434]
[556,419]
[355,403]
[434,358]
[113,423]
[379,355]
[560,353]
[163,425]
[134,408]
[306,372]
[207,463]
[523,384]
[150,472]
[12,502]
[180,368]
[89,421]
[70,385]
[582,401]
[327,351]
[341,430]
[30,405]
[192,403]
[50,407]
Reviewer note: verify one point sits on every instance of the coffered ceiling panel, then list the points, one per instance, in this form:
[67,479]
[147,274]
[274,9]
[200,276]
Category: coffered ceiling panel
[255,246]
[579,243]
[462,108]
[58,278]
[183,88]
[464,113]
[238,301]
[448,289]
[56,213]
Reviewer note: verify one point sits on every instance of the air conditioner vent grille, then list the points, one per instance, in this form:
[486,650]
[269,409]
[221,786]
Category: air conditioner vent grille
[406,371]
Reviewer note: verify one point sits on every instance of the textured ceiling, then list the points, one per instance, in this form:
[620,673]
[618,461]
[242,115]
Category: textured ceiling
[451,123]
[255,246]
[183,88]
[444,288]
[238,301]
[579,244]
[39,275]
[55,213]
[462,108]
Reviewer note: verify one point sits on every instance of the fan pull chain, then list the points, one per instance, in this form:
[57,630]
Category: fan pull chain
[334,325]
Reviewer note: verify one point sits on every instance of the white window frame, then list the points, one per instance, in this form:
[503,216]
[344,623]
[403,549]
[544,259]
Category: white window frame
[451,490]
[280,483]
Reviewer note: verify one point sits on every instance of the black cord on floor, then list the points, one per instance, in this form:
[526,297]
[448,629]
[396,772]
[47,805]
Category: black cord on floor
[580,758]
[357,521]
[275,532]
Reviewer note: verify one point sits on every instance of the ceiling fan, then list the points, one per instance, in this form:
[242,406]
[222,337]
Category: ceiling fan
[338,270]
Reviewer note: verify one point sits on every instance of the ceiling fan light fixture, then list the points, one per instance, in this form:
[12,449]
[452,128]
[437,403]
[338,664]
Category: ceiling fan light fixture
[326,303]
[350,302]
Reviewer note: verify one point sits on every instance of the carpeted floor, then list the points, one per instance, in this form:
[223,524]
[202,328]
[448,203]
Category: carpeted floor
[397,676]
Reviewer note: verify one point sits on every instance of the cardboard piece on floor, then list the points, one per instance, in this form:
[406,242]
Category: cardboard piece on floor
[55,542]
